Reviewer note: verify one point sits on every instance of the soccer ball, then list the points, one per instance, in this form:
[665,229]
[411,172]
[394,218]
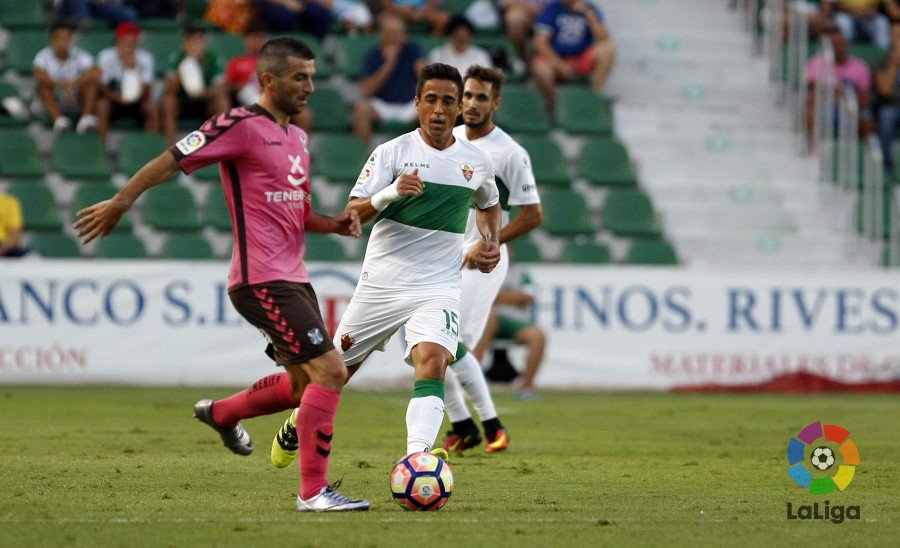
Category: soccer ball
[421,481]
[822,458]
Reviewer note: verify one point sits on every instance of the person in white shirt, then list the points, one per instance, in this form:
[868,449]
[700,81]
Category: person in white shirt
[459,51]
[67,81]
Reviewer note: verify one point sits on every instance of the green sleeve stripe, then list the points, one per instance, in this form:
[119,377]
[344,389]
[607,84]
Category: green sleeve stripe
[440,207]
[428,387]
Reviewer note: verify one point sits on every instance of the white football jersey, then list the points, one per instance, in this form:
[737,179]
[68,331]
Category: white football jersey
[512,171]
[417,242]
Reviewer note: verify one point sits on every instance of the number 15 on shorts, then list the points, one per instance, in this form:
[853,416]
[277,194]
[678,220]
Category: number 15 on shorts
[452,322]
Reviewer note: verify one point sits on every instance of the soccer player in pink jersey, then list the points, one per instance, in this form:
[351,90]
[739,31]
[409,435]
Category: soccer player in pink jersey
[264,165]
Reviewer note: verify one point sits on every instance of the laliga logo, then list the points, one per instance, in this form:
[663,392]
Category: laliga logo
[823,459]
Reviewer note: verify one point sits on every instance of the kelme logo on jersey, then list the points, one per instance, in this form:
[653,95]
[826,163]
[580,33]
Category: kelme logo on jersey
[467,170]
[191,143]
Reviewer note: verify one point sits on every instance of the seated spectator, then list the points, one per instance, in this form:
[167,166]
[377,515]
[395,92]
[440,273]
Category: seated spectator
[848,69]
[887,99]
[126,76]
[859,19]
[458,51]
[195,82]
[390,71]
[313,16]
[511,325]
[111,11]
[11,224]
[67,81]
[518,19]
[428,12]
[571,41]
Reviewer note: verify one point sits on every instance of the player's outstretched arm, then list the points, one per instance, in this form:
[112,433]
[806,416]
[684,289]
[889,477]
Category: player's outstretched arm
[101,218]
[345,224]
[407,184]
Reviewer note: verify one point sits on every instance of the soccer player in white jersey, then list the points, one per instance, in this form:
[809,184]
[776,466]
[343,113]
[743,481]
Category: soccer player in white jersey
[420,187]
[515,181]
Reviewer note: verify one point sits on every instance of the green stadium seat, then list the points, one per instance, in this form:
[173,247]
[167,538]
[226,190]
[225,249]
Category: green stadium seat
[605,162]
[329,111]
[7,90]
[456,7]
[21,48]
[565,213]
[522,111]
[547,161]
[349,53]
[207,174]
[120,246]
[77,156]
[322,247]
[323,69]
[95,40]
[339,158]
[195,9]
[54,245]
[651,252]
[187,246]
[39,208]
[524,250]
[171,207]
[395,127]
[580,111]
[629,212]
[160,23]
[88,194]
[22,14]
[19,155]
[226,45]
[215,212]
[136,149]
[161,44]
[585,252]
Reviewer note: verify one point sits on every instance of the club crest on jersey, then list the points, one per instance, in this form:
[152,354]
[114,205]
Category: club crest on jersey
[365,174]
[467,170]
[347,341]
[191,143]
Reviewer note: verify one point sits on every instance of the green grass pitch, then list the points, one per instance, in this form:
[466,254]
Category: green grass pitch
[114,466]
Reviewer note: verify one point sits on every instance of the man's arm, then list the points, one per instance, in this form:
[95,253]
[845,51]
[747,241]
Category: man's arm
[372,84]
[101,218]
[345,224]
[530,217]
[488,222]
[407,184]
[596,26]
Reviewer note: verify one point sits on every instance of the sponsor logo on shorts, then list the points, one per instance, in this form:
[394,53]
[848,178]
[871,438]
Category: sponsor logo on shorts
[191,143]
[347,341]
[467,170]
[315,336]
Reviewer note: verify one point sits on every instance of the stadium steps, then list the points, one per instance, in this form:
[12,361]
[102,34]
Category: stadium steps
[711,147]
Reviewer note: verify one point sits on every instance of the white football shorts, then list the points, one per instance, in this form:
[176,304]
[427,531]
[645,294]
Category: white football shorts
[479,290]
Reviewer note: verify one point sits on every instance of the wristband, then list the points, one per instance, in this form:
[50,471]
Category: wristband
[384,197]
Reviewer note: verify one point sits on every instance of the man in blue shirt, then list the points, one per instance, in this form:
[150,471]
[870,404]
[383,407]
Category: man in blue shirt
[571,41]
[390,72]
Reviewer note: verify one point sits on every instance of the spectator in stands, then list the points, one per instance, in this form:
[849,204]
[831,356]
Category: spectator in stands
[459,51]
[354,15]
[390,72]
[195,82]
[510,321]
[848,69]
[518,19]
[887,98]
[571,41]
[428,12]
[312,16]
[67,81]
[164,9]
[111,11]
[11,224]
[126,77]
[860,17]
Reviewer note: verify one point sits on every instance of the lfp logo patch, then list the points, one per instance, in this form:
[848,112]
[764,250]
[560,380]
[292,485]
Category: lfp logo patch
[822,458]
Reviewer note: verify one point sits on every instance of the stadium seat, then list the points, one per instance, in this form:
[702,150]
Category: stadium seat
[395,127]
[161,44]
[585,252]
[329,111]
[120,246]
[522,111]
[629,212]
[547,161]
[651,252]
[215,213]
[226,45]
[456,7]
[170,207]
[22,14]
[95,40]
[21,48]
[339,158]
[187,246]
[89,194]
[39,208]
[524,250]
[54,245]
[498,45]
[565,213]
[323,247]
[7,120]
[77,156]
[349,53]
[604,161]
[580,111]
[19,155]
[136,149]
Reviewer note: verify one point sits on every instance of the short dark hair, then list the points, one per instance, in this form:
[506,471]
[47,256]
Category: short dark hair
[487,74]
[273,57]
[459,21]
[62,24]
[439,71]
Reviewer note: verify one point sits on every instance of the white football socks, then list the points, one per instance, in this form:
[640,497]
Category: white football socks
[467,372]
[423,422]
